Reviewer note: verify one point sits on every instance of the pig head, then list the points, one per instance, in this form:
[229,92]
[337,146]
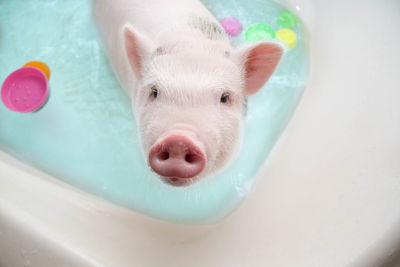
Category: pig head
[190,98]
[187,83]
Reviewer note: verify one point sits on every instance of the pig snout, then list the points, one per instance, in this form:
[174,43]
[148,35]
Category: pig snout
[176,156]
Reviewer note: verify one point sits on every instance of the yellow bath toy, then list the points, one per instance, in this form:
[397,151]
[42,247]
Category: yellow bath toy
[41,66]
[287,36]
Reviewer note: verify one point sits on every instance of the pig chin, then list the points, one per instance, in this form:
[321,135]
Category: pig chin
[178,158]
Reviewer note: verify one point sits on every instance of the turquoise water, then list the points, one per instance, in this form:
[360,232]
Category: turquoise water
[86,134]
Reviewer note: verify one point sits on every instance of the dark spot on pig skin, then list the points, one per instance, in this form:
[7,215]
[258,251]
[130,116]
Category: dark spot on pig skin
[211,29]
[160,51]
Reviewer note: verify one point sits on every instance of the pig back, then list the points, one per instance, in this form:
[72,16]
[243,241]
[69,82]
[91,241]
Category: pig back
[151,18]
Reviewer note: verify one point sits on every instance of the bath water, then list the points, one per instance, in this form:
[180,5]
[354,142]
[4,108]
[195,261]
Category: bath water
[86,135]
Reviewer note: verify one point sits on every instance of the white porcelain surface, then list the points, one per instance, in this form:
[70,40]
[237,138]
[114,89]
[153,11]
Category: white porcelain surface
[329,194]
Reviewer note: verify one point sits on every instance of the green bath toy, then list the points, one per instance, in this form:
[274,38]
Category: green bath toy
[258,32]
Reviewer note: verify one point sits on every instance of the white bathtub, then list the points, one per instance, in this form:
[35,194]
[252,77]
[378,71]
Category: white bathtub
[328,196]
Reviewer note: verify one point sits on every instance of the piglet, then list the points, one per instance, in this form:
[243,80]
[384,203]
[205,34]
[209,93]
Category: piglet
[187,83]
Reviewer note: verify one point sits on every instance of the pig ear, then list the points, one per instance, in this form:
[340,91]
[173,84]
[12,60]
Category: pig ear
[137,47]
[260,61]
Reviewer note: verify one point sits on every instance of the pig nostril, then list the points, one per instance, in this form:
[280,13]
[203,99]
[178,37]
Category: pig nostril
[163,155]
[191,158]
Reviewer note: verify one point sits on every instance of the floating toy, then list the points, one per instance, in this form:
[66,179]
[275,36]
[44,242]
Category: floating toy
[287,36]
[26,89]
[232,26]
[286,20]
[258,32]
[41,66]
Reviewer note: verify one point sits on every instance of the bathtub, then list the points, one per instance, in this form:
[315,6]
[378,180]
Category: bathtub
[328,195]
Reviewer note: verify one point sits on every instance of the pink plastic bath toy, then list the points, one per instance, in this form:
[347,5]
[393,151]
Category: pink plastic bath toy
[232,26]
[25,90]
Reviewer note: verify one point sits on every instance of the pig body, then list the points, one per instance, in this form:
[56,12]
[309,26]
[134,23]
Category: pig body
[187,83]
[158,20]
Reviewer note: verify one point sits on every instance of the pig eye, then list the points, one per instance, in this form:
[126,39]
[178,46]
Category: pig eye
[154,92]
[225,98]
